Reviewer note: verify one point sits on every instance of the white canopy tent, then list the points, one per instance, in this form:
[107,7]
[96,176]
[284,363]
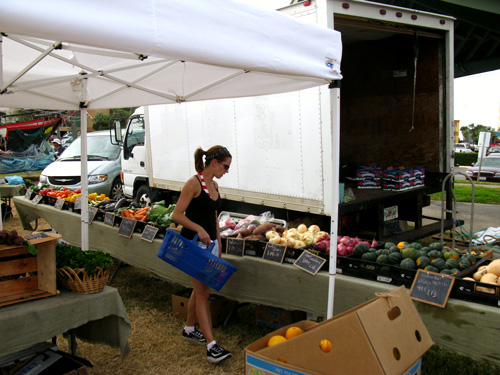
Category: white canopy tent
[83,54]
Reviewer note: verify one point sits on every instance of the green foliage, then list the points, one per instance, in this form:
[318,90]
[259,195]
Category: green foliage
[101,121]
[471,132]
[465,158]
[74,257]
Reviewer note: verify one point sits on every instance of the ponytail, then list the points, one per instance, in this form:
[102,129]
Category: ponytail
[218,152]
[198,159]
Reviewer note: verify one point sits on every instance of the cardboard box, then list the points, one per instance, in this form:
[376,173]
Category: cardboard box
[384,336]
[24,277]
[275,317]
[220,307]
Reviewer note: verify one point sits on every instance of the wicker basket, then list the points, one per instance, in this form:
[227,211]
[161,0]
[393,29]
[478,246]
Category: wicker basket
[78,281]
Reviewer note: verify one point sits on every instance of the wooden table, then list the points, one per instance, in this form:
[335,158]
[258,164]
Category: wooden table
[464,327]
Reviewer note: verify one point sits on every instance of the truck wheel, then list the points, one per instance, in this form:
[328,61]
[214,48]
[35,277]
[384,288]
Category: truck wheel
[116,190]
[143,196]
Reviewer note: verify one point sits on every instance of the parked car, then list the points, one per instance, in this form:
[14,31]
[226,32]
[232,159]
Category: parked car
[461,147]
[104,166]
[494,150]
[490,169]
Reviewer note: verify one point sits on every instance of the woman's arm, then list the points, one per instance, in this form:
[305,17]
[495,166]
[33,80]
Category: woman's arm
[190,190]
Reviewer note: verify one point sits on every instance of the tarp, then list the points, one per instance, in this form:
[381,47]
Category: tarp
[134,53]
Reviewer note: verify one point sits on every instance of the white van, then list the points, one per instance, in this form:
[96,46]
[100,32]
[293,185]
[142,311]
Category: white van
[104,166]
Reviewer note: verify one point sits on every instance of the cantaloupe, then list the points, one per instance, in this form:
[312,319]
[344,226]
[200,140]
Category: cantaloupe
[494,267]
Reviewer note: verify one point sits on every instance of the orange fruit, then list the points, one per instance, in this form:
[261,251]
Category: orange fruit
[281,359]
[276,339]
[325,346]
[292,332]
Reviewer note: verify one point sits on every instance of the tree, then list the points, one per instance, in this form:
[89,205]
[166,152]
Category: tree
[471,132]
[101,121]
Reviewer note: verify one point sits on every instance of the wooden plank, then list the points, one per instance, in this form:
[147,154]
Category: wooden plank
[46,265]
[22,297]
[12,251]
[18,266]
[20,285]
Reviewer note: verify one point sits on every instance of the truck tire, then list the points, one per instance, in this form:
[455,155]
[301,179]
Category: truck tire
[143,196]
[116,190]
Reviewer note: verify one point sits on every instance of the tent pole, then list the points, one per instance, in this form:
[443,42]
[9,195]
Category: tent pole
[335,142]
[1,61]
[84,168]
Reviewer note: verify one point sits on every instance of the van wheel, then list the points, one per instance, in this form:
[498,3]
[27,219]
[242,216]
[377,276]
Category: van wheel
[143,196]
[117,190]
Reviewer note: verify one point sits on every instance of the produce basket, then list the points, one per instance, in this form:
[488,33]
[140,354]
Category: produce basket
[77,280]
[194,260]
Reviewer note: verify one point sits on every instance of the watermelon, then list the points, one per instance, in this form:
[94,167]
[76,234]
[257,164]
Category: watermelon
[410,252]
[408,264]
[383,259]
[439,263]
[370,256]
[388,245]
[431,269]
[395,258]
[360,249]
[422,262]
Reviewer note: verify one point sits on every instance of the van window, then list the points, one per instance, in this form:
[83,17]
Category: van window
[96,145]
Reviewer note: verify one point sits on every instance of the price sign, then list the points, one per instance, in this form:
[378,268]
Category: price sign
[274,252]
[92,213]
[149,233]
[37,199]
[59,204]
[109,218]
[309,262]
[78,203]
[235,246]
[28,193]
[432,288]
[127,227]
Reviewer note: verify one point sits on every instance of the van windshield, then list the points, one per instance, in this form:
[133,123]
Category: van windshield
[97,146]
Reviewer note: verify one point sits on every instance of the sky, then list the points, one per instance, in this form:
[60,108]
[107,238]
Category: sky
[476,97]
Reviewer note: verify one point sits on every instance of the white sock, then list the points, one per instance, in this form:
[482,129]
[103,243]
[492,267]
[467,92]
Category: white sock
[210,344]
[189,329]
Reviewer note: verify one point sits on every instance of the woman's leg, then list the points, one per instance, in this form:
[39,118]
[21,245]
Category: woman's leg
[201,294]
[191,310]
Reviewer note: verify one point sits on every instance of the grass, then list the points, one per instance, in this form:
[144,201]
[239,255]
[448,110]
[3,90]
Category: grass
[488,193]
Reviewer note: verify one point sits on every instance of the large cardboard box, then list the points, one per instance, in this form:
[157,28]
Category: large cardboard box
[384,336]
[220,307]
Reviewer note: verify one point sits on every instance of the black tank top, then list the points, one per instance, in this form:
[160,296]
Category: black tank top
[202,210]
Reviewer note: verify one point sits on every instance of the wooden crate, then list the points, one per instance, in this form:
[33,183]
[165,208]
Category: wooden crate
[24,277]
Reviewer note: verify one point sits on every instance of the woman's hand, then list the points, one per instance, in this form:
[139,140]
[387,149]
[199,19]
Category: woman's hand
[204,237]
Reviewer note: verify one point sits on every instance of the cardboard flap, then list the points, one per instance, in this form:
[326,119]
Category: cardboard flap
[395,313]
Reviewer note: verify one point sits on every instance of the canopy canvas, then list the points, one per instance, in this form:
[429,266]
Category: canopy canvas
[92,54]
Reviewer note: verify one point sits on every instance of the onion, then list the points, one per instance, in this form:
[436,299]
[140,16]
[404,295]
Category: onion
[342,250]
[350,249]
[374,243]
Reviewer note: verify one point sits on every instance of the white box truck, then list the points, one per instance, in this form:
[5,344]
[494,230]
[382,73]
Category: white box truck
[394,108]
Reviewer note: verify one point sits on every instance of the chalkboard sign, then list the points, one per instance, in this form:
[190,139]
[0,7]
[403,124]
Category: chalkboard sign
[274,252]
[149,233]
[432,288]
[109,218]
[37,199]
[235,246]
[92,213]
[127,227]
[309,262]
[28,193]
[78,203]
[59,204]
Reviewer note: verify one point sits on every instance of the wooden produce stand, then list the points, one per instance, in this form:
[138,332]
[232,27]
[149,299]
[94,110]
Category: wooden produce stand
[23,276]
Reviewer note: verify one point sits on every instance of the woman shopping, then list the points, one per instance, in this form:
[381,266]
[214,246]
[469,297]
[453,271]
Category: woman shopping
[196,210]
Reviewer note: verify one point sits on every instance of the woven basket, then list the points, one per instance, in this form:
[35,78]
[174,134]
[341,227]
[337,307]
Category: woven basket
[78,281]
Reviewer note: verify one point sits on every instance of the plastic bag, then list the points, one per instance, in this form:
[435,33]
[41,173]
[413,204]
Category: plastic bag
[14,180]
[349,195]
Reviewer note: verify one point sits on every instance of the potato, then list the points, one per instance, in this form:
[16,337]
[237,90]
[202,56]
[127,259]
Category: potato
[245,232]
[263,228]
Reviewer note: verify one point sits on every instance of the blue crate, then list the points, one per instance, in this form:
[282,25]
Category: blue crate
[194,260]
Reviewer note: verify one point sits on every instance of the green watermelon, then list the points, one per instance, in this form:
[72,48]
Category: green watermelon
[422,262]
[439,263]
[416,245]
[383,259]
[431,269]
[451,263]
[370,256]
[395,258]
[360,249]
[388,245]
[436,246]
[410,252]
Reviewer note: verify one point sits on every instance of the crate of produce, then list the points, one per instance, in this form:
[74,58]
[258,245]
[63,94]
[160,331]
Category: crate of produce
[25,276]
[472,284]
[195,261]
[232,223]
